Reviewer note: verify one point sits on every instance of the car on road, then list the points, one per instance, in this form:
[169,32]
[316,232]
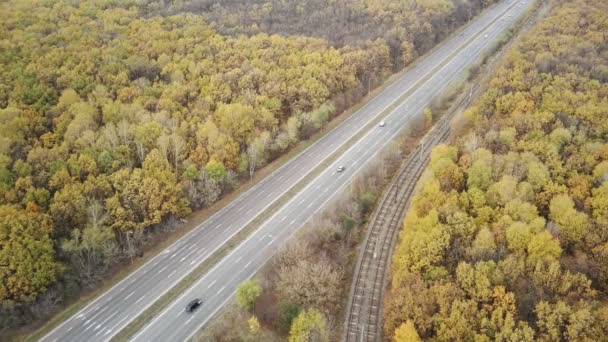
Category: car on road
[341,168]
[485,36]
[382,124]
[193,305]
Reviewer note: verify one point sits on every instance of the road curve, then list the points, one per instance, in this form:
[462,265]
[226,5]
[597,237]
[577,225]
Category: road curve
[218,285]
[105,316]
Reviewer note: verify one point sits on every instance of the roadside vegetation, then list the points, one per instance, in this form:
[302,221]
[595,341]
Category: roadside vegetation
[300,295]
[507,238]
[120,118]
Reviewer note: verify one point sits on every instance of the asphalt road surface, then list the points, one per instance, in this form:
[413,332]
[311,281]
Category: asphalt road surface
[109,313]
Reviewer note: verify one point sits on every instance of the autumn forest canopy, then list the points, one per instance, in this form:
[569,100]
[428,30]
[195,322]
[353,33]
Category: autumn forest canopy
[119,117]
[507,239]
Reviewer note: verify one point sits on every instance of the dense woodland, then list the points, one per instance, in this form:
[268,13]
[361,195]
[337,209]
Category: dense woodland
[407,27]
[507,239]
[118,117]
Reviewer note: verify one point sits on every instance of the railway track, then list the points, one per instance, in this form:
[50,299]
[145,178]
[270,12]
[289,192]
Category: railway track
[364,315]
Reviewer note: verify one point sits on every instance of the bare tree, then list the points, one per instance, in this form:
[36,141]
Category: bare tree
[163,143]
[124,132]
[252,158]
[311,284]
[178,143]
[256,152]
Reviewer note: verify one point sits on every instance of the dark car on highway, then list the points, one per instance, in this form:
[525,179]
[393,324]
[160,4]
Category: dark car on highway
[193,305]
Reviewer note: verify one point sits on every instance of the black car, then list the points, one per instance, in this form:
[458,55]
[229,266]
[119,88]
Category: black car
[193,305]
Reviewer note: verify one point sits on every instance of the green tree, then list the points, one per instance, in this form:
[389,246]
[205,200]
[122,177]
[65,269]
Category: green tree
[216,170]
[247,293]
[406,333]
[543,247]
[572,224]
[484,246]
[254,325]
[27,258]
[309,326]
[479,175]
[518,237]
[537,175]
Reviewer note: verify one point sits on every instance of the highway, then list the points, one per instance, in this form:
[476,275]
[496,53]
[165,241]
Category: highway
[218,285]
[109,313]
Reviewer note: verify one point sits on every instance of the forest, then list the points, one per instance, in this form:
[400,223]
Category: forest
[408,28]
[120,117]
[507,237]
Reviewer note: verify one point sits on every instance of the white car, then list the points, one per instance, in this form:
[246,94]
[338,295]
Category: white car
[382,124]
[485,36]
[341,168]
